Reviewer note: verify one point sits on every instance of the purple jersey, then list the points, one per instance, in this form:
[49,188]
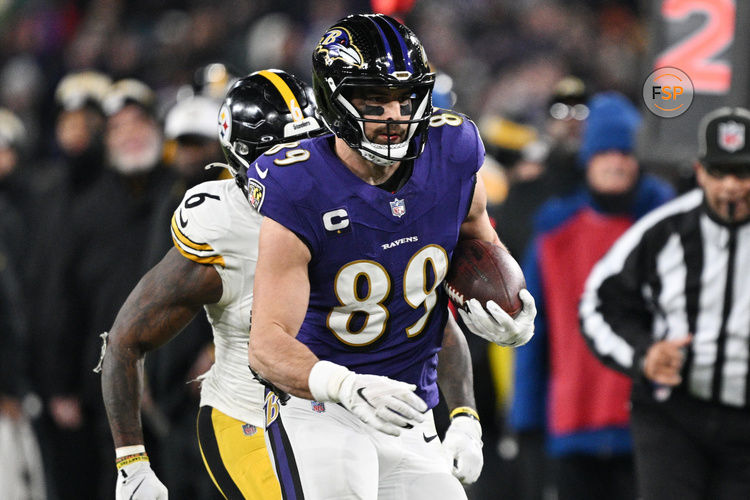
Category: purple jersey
[376,305]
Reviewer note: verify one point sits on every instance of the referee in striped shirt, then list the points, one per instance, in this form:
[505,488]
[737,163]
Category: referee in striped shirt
[669,305]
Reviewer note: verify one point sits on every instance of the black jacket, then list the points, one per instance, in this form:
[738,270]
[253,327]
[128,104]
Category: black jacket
[13,325]
[102,256]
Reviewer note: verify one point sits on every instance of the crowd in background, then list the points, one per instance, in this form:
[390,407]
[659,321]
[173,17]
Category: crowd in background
[503,56]
[83,216]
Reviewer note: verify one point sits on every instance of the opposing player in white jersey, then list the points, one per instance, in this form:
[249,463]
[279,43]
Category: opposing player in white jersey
[213,263]
[215,233]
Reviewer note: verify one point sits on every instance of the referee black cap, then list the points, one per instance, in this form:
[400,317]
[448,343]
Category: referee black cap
[723,137]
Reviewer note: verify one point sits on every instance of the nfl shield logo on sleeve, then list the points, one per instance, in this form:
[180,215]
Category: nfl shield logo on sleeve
[731,136]
[398,208]
[318,407]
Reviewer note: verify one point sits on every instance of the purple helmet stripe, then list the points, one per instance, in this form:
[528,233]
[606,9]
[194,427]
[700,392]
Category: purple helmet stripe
[402,43]
[389,52]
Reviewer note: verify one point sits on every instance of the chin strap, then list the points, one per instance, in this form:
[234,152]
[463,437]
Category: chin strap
[370,150]
[218,164]
[377,160]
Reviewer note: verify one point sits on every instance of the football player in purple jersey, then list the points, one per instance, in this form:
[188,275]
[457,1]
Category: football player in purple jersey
[357,235]
[261,110]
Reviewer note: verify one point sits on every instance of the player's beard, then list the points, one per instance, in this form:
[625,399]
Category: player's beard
[139,161]
[388,129]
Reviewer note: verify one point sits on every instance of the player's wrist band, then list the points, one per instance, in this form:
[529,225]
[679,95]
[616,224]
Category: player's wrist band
[465,411]
[131,459]
[123,451]
[126,455]
[325,380]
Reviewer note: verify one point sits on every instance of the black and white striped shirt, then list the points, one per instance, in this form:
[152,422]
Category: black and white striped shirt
[676,271]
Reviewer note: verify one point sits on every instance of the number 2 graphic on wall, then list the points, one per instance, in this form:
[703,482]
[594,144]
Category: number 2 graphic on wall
[696,53]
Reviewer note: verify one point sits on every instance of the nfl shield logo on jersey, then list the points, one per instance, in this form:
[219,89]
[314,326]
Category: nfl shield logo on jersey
[731,136]
[318,407]
[249,429]
[398,208]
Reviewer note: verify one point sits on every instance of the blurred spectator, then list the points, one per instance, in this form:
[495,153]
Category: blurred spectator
[520,151]
[668,307]
[505,139]
[100,260]
[13,144]
[193,124]
[79,127]
[280,50]
[18,200]
[13,353]
[77,163]
[213,80]
[567,113]
[191,128]
[540,165]
[443,94]
[13,327]
[21,469]
[559,385]
[21,85]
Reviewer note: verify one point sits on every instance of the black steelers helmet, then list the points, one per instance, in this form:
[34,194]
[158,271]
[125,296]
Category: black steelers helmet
[262,110]
[372,50]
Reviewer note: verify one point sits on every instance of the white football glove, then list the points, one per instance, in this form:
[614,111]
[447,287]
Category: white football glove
[138,482]
[498,326]
[462,447]
[383,403]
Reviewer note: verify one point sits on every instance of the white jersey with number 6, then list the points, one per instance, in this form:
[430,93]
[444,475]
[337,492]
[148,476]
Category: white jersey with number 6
[214,224]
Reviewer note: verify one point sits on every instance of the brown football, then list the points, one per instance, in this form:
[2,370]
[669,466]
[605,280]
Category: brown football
[484,271]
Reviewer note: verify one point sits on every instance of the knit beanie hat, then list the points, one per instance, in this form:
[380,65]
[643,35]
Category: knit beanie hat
[611,125]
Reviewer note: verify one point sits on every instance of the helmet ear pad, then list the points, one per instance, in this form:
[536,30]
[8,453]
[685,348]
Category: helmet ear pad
[372,50]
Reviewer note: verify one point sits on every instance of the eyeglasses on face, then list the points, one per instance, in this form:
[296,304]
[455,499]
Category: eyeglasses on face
[562,111]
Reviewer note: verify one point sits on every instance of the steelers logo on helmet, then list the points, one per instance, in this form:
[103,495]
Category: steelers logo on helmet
[364,52]
[337,44]
[225,123]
